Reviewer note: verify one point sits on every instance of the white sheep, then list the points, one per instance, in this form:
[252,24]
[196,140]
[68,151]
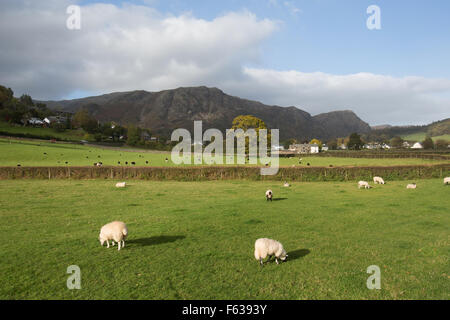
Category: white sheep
[447,180]
[364,184]
[121,184]
[378,180]
[269,195]
[268,247]
[411,186]
[286,184]
[99,164]
[116,231]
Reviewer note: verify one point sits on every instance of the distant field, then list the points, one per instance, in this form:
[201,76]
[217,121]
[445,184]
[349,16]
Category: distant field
[33,153]
[419,137]
[70,135]
[196,240]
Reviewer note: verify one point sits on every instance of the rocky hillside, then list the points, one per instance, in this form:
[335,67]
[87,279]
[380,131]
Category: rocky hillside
[164,111]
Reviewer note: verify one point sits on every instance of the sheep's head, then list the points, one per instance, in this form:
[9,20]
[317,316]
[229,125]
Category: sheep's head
[283,255]
[101,239]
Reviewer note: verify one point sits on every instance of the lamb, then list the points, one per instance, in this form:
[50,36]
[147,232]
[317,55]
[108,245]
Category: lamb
[286,184]
[115,231]
[411,186]
[378,180]
[121,184]
[268,247]
[269,195]
[98,164]
[364,184]
[447,180]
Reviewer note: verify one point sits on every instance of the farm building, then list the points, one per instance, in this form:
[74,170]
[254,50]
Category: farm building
[417,145]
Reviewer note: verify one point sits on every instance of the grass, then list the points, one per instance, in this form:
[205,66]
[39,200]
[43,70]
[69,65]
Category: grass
[69,135]
[420,136]
[40,153]
[195,240]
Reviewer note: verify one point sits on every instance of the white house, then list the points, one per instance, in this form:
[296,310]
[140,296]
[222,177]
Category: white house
[417,145]
[277,148]
[314,148]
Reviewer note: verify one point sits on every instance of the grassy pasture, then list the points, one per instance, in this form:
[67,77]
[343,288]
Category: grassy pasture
[69,135]
[420,136]
[40,153]
[194,240]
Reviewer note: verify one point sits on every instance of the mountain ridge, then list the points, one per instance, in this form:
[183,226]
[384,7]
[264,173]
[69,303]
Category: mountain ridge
[162,112]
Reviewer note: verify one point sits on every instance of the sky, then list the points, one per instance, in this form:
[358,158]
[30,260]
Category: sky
[317,55]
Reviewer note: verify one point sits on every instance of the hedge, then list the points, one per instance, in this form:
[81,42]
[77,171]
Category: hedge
[205,173]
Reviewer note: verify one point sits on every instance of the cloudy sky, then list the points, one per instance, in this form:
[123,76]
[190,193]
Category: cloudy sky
[317,55]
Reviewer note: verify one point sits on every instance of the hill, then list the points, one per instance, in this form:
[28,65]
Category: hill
[162,112]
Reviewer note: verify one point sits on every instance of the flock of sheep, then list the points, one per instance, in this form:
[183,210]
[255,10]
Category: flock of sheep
[117,231]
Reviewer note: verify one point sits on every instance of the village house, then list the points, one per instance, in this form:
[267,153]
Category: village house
[417,145]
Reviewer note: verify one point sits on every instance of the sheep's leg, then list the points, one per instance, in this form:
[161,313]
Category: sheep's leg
[123,243]
[276,260]
[107,243]
[261,262]
[112,243]
[118,244]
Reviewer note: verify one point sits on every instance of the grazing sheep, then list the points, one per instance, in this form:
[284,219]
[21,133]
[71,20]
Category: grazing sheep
[447,180]
[146,162]
[167,160]
[411,186]
[364,184]
[308,164]
[121,184]
[133,163]
[286,184]
[378,180]
[268,247]
[116,231]
[99,164]
[269,195]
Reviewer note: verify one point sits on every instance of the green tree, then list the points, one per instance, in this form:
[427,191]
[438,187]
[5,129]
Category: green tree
[246,122]
[396,142]
[428,143]
[332,144]
[354,142]
[133,135]
[82,119]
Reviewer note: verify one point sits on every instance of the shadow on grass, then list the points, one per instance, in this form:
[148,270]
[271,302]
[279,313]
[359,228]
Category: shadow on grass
[155,240]
[279,199]
[297,254]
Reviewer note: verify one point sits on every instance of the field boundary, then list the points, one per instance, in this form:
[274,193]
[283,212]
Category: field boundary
[206,173]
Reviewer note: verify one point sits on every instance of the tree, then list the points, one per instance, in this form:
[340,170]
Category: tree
[134,135]
[250,122]
[396,142]
[332,144]
[354,142]
[441,144]
[26,100]
[289,142]
[316,141]
[428,143]
[82,119]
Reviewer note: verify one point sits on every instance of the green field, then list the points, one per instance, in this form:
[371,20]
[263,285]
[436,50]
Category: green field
[49,133]
[40,153]
[419,137]
[196,240]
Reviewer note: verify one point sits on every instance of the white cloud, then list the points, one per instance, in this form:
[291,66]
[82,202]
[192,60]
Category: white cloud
[136,47]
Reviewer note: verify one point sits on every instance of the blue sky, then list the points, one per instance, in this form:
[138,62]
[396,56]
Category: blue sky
[317,55]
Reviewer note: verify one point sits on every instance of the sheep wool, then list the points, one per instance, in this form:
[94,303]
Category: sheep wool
[269,195]
[447,180]
[363,184]
[121,184]
[116,231]
[268,247]
[411,186]
[378,180]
